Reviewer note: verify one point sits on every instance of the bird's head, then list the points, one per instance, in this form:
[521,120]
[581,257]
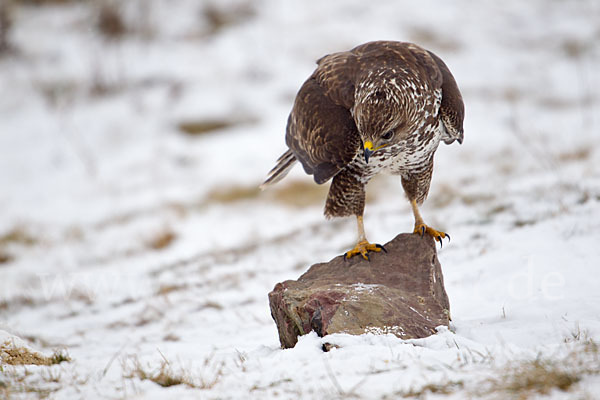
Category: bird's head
[379,117]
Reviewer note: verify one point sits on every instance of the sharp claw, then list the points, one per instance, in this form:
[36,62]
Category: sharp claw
[439,239]
[422,231]
[381,247]
[448,237]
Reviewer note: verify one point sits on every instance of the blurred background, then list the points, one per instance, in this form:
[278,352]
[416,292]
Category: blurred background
[134,135]
[114,112]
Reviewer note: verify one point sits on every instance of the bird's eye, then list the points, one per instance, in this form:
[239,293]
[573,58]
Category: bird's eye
[388,135]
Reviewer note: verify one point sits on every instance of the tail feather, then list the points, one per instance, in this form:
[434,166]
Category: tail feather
[281,169]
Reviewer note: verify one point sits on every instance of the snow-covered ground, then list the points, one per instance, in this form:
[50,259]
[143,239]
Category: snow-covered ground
[144,251]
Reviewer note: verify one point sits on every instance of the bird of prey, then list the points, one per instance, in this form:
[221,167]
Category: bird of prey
[383,106]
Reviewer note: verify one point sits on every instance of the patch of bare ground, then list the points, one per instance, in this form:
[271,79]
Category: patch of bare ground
[11,354]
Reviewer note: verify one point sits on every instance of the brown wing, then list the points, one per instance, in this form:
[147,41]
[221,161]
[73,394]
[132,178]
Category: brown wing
[452,108]
[321,131]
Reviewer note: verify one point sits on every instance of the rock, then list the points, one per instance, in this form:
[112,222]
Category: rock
[400,292]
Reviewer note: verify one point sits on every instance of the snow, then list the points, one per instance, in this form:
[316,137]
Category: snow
[12,341]
[94,169]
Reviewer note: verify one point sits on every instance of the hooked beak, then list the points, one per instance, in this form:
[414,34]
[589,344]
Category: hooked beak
[368,149]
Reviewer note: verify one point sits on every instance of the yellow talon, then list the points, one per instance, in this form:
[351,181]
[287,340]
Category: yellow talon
[422,229]
[363,247]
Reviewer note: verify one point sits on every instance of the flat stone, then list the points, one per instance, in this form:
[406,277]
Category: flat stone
[400,292]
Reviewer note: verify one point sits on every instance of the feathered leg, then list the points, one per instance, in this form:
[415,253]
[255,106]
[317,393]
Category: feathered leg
[347,197]
[416,187]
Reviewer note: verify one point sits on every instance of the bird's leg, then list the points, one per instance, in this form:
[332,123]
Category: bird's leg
[421,228]
[363,246]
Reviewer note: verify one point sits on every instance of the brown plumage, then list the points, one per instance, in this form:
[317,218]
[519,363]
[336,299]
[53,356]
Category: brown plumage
[380,107]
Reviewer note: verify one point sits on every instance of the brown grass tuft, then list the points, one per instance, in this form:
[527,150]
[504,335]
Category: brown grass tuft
[525,379]
[292,193]
[575,48]
[60,356]
[5,258]
[18,235]
[12,355]
[171,337]
[211,304]
[170,288]
[162,239]
[218,17]
[537,376]
[447,194]
[43,2]
[232,194]
[194,128]
[110,21]
[300,193]
[579,154]
[531,378]
[15,236]
[16,302]
[22,356]
[432,39]
[434,388]
[6,24]
[520,223]
[165,375]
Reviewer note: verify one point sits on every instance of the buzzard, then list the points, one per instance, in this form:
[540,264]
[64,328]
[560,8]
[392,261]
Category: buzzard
[383,106]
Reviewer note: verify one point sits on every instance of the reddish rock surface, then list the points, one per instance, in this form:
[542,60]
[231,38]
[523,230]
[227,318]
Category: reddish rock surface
[400,292]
